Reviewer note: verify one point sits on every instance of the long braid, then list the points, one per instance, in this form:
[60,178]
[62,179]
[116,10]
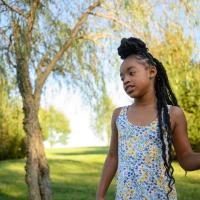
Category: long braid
[164,95]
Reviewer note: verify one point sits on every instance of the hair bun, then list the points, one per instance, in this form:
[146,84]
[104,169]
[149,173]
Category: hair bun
[130,46]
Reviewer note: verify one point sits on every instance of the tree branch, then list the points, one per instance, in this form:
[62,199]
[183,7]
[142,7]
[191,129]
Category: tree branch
[116,20]
[30,23]
[43,76]
[23,77]
[31,15]
[14,8]
[41,64]
[95,36]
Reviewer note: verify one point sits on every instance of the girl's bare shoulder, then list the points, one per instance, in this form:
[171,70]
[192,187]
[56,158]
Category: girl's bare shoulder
[177,116]
[117,111]
[115,115]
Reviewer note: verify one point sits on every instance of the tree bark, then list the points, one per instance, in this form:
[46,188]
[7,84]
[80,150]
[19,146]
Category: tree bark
[37,169]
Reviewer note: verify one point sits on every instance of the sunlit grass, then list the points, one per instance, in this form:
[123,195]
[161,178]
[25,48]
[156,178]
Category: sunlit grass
[75,174]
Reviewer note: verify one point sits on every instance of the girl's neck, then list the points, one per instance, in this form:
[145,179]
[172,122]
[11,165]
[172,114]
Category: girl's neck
[145,101]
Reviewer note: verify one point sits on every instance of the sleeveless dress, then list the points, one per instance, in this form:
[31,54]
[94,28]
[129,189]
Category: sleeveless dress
[141,172]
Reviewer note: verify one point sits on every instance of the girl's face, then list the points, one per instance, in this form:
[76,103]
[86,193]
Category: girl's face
[137,76]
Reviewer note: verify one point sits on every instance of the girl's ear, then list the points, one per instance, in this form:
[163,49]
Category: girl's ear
[152,72]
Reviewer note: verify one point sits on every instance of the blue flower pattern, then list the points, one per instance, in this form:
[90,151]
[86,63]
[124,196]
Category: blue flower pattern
[141,171]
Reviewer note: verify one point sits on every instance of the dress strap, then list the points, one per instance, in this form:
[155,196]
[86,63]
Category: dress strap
[123,111]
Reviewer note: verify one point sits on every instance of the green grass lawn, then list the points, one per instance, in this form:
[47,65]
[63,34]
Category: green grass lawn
[75,174]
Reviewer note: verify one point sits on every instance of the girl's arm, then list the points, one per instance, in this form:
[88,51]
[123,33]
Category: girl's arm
[111,162]
[188,159]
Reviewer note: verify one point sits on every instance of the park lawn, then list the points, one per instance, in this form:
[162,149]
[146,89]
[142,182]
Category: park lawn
[75,173]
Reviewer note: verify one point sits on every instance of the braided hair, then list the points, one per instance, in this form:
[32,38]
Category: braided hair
[164,95]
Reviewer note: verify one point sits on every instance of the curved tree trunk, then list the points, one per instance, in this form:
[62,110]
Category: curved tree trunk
[37,170]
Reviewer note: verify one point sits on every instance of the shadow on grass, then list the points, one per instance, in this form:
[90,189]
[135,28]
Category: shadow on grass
[12,180]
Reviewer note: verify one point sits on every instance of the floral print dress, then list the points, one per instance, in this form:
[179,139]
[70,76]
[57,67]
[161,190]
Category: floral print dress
[141,171]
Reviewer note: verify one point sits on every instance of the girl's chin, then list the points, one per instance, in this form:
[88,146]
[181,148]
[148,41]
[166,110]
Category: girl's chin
[134,95]
[130,93]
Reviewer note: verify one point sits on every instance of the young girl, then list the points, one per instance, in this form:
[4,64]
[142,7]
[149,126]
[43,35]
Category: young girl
[143,133]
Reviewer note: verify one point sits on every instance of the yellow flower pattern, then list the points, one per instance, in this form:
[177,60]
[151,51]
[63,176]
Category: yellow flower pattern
[141,171]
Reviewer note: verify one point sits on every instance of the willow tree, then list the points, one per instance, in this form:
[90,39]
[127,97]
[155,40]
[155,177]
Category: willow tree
[35,51]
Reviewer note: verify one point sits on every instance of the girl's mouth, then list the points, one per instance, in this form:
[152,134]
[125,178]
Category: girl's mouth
[129,89]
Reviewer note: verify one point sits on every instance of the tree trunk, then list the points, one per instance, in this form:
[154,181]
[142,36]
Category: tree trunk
[37,170]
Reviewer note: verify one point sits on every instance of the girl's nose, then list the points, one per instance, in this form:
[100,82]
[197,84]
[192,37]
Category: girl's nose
[126,80]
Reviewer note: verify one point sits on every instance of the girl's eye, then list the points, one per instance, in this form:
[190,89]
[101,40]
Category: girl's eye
[132,73]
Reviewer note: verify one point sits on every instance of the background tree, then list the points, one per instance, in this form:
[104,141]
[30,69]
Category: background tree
[176,53]
[55,126]
[11,133]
